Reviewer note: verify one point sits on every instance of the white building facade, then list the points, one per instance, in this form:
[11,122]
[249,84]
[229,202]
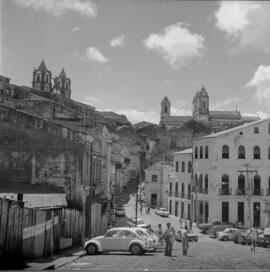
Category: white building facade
[231,175]
[156,184]
[179,187]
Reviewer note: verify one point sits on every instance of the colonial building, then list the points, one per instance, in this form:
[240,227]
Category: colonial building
[156,184]
[217,120]
[231,175]
[179,187]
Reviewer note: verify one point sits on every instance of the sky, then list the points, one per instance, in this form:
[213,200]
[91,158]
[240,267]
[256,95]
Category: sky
[126,55]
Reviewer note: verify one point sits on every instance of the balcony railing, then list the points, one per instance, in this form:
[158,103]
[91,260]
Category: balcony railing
[258,192]
[182,195]
[240,191]
[225,191]
[202,190]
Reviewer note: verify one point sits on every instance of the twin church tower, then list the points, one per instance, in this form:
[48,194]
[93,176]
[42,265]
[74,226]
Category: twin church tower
[42,81]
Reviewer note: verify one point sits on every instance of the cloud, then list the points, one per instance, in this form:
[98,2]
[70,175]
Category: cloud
[180,112]
[59,7]
[92,100]
[91,54]
[261,114]
[135,116]
[176,45]
[118,41]
[76,29]
[225,103]
[261,83]
[245,23]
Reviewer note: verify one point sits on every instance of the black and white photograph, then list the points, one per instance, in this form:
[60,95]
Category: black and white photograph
[134,135]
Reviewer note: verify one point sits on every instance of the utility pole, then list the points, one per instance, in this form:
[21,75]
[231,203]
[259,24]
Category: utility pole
[249,190]
[136,211]
[90,191]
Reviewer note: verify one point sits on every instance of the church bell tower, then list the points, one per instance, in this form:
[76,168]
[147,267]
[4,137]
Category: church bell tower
[165,108]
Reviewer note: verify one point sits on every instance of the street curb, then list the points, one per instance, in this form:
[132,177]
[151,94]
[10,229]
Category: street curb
[57,263]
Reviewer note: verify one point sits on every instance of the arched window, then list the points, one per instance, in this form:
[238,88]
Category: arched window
[256,130]
[47,78]
[189,167]
[225,152]
[206,152]
[241,152]
[176,166]
[183,166]
[201,181]
[206,184]
[176,189]
[189,191]
[154,178]
[170,207]
[38,78]
[196,152]
[183,188]
[241,185]
[165,109]
[201,152]
[225,185]
[257,185]
[256,153]
[196,180]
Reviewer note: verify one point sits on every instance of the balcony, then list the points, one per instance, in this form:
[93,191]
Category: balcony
[170,193]
[202,190]
[258,192]
[240,191]
[182,195]
[176,194]
[225,191]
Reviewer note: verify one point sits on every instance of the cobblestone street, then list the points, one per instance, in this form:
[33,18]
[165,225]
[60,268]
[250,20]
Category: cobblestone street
[206,254]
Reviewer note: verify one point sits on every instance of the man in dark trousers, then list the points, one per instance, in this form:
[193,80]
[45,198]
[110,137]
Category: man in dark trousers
[168,240]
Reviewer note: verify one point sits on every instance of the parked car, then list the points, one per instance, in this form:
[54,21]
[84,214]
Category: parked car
[266,235]
[214,230]
[130,240]
[140,223]
[162,212]
[120,212]
[245,238]
[210,227]
[192,237]
[228,234]
[151,234]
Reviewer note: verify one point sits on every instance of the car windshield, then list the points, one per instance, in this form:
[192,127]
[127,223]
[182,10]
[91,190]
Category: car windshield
[163,209]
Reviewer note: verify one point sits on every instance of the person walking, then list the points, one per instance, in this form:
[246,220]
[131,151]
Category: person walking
[159,234]
[190,224]
[254,237]
[185,243]
[168,240]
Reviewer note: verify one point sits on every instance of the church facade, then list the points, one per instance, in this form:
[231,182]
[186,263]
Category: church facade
[216,120]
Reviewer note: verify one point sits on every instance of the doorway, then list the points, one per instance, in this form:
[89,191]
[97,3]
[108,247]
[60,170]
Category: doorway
[153,199]
[225,211]
[256,214]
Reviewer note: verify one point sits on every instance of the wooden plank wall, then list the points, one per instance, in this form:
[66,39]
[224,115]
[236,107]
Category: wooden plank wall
[11,217]
[34,233]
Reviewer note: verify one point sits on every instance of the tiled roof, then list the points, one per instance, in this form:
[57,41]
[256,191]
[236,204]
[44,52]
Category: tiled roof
[176,119]
[225,115]
[227,131]
[186,151]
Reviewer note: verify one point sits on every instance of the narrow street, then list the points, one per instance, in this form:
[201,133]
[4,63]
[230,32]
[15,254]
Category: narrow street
[206,254]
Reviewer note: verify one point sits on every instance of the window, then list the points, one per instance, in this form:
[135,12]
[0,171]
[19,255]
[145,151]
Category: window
[154,178]
[176,166]
[269,128]
[241,185]
[206,152]
[183,166]
[176,187]
[241,152]
[256,153]
[225,185]
[189,167]
[225,152]
[206,181]
[201,152]
[112,234]
[165,109]
[268,153]
[257,185]
[47,78]
[38,78]
[196,180]
[201,181]
[196,152]
[126,234]
[256,130]
[183,188]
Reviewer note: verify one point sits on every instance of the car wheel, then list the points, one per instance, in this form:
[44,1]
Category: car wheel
[136,249]
[225,238]
[92,249]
